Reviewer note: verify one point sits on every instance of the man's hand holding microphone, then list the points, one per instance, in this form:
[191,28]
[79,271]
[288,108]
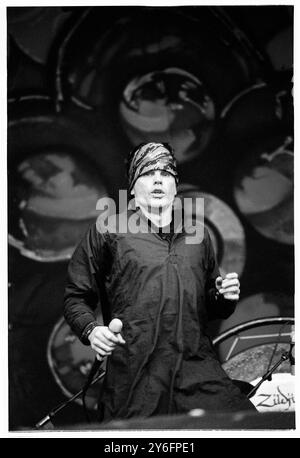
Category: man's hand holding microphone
[104,339]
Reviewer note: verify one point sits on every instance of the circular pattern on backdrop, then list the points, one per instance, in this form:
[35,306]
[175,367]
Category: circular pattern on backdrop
[170,105]
[144,38]
[54,184]
[226,231]
[34,29]
[280,49]
[263,190]
[164,74]
[256,112]
[56,197]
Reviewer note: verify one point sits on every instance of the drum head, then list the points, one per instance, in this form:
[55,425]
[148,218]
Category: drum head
[252,349]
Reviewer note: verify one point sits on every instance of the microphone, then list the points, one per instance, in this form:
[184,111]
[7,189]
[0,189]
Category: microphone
[114,326]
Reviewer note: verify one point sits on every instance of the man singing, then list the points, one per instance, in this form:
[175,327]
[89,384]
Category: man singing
[164,290]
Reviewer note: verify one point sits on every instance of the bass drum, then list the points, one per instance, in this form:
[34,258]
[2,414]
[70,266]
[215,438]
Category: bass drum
[70,363]
[258,347]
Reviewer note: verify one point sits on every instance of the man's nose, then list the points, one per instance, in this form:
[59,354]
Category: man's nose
[157,177]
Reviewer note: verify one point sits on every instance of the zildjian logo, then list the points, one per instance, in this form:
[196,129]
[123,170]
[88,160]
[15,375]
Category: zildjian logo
[279,398]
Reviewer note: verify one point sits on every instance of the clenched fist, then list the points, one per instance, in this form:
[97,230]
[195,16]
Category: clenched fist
[229,286]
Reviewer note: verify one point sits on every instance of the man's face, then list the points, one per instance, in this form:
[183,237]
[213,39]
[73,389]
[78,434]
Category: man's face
[155,189]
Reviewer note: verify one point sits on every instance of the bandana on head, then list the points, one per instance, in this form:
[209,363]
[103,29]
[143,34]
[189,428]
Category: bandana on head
[152,156]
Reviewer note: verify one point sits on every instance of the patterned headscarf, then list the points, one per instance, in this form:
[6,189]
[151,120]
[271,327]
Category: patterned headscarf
[150,156]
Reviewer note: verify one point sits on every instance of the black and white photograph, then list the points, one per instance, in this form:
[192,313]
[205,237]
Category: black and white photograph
[150,221]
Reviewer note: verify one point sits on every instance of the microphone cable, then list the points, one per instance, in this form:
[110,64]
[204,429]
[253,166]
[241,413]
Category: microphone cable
[92,377]
[114,326]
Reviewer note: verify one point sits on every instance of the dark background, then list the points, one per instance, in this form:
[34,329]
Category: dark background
[67,69]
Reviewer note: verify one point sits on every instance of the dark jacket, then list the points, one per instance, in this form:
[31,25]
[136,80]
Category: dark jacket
[164,293]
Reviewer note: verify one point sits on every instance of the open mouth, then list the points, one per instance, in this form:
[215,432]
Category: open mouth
[157,193]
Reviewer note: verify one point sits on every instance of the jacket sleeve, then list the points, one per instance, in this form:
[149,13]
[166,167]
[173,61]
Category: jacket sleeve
[217,306]
[81,296]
